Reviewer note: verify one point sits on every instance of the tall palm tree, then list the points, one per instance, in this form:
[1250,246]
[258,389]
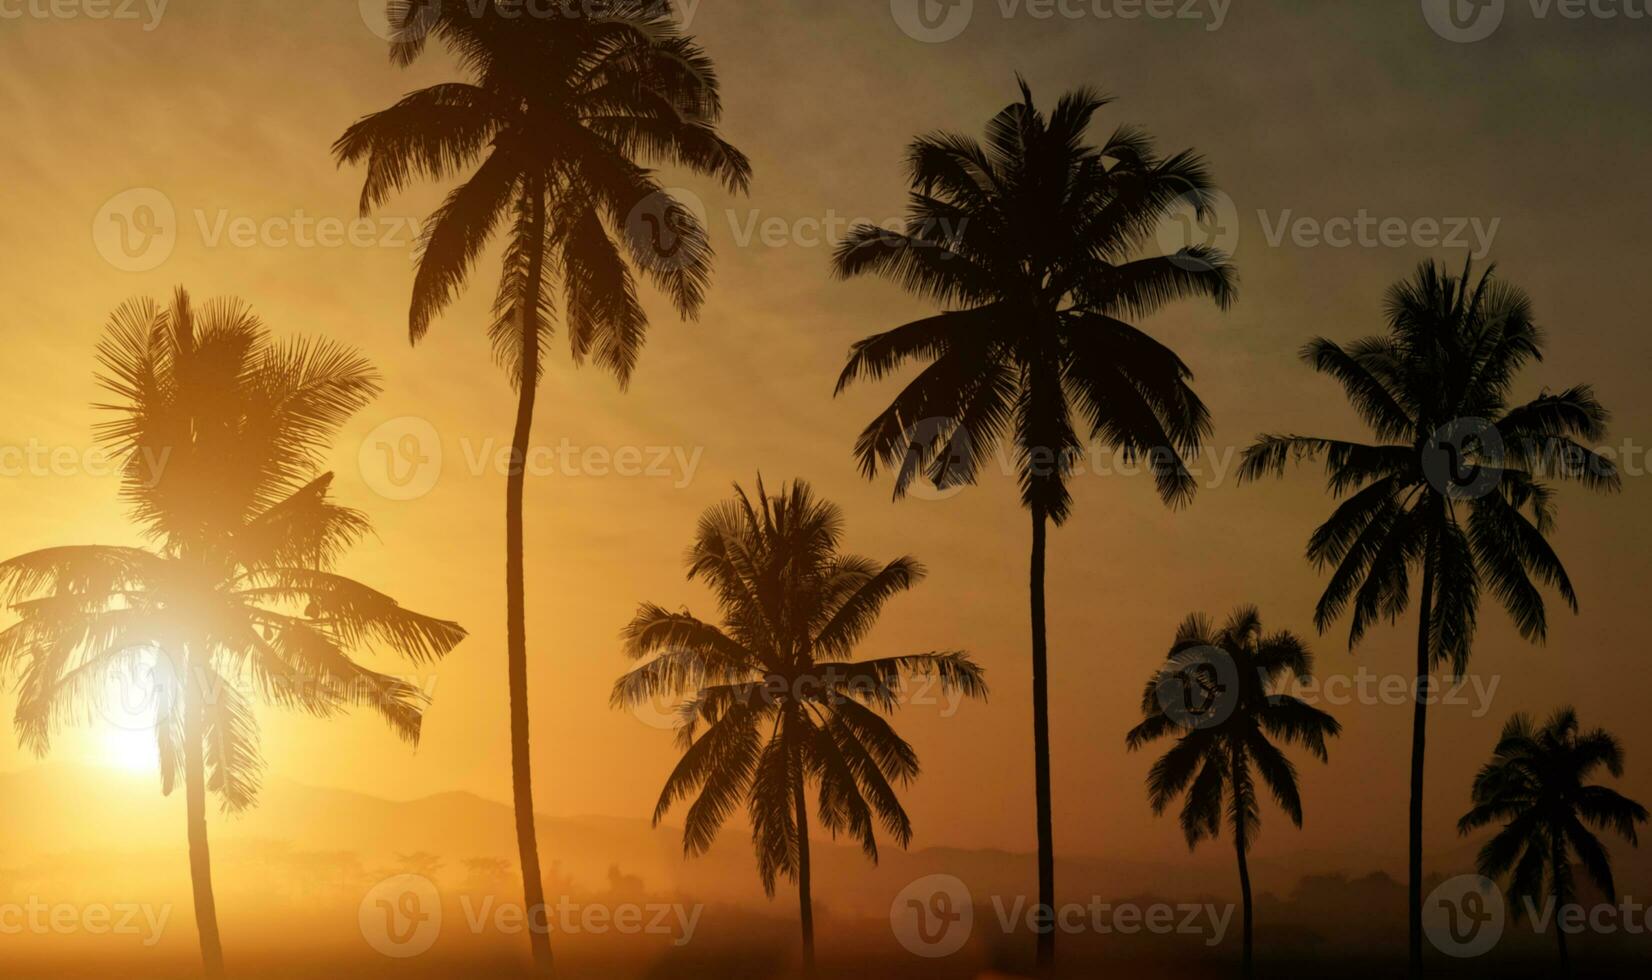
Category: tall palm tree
[546,135]
[1028,240]
[1217,693]
[1451,487]
[773,703]
[1536,786]
[221,430]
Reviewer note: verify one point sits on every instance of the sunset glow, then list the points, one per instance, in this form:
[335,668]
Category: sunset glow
[798,490]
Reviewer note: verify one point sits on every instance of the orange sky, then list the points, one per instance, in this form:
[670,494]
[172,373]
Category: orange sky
[1311,109]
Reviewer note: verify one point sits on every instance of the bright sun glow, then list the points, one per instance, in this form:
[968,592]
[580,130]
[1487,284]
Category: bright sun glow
[126,736]
[132,751]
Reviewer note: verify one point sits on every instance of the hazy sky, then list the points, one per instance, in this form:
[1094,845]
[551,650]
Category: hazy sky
[1535,138]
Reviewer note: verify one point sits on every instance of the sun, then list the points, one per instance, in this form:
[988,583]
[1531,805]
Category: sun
[129,750]
[128,709]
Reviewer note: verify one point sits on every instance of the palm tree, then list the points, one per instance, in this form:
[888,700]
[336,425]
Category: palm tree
[1535,785]
[1217,693]
[547,133]
[221,430]
[1451,486]
[1028,240]
[773,703]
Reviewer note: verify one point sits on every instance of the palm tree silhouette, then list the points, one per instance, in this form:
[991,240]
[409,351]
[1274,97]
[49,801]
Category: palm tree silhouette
[1028,239]
[1435,393]
[1217,693]
[548,132]
[773,702]
[220,429]
[1535,785]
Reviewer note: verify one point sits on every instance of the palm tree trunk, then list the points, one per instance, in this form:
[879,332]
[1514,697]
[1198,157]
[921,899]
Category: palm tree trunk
[516,629]
[1248,963]
[805,899]
[1419,739]
[200,859]
[1041,747]
[1561,898]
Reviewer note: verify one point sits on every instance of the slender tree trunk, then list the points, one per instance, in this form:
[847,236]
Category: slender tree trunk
[1241,845]
[1561,897]
[1419,739]
[516,629]
[200,859]
[1041,748]
[805,899]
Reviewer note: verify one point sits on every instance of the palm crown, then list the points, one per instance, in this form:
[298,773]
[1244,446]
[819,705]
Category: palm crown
[774,703]
[1435,390]
[1217,695]
[220,429]
[1536,785]
[1029,237]
[547,131]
